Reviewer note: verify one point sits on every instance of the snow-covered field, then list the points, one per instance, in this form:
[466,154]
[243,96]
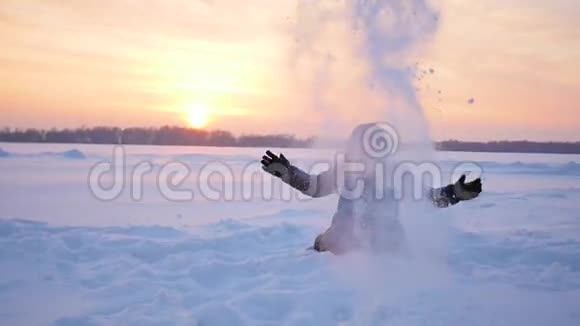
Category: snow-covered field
[510,257]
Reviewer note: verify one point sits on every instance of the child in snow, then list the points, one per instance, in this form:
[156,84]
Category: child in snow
[363,221]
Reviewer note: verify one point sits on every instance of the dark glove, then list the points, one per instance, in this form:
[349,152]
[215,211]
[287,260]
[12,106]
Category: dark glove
[276,166]
[281,168]
[467,191]
[454,193]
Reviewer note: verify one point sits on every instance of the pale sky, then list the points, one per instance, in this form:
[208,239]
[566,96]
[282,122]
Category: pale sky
[262,66]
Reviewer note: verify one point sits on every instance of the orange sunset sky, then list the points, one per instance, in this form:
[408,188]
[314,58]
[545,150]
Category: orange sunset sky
[231,65]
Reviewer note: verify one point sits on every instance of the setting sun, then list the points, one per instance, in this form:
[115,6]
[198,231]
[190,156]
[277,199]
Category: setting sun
[198,116]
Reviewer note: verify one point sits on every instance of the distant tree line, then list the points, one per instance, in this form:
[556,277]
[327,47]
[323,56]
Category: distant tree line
[521,146]
[169,135]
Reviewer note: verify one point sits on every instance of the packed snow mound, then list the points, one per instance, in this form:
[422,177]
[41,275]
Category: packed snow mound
[571,167]
[74,154]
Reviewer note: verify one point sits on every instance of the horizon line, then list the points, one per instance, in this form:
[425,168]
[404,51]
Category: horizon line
[237,135]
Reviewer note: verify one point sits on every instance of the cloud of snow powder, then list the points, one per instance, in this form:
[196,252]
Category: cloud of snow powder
[357,61]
